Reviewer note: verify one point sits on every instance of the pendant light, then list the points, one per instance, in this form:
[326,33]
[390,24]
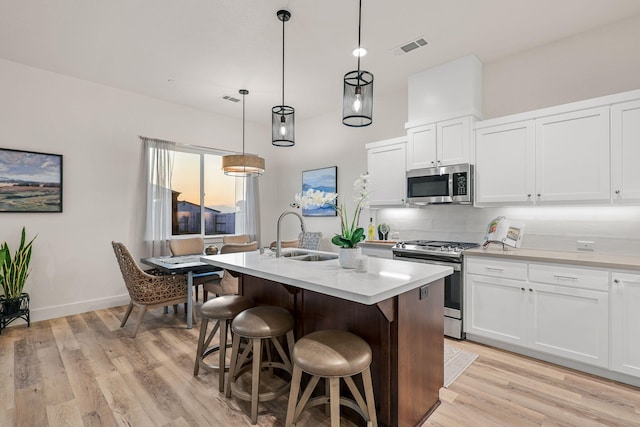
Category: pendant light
[283,116]
[243,165]
[357,99]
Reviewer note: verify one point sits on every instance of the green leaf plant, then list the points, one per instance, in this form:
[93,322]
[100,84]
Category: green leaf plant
[14,271]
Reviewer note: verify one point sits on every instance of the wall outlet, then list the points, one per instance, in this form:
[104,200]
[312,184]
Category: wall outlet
[585,245]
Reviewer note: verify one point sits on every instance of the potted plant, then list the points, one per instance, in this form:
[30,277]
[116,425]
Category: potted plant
[14,271]
[351,233]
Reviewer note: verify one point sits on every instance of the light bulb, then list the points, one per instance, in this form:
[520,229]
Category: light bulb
[283,129]
[357,103]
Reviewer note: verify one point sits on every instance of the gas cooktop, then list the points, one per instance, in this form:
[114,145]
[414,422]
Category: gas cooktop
[434,247]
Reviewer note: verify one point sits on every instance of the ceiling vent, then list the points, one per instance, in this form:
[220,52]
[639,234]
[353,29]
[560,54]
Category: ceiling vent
[230,98]
[410,46]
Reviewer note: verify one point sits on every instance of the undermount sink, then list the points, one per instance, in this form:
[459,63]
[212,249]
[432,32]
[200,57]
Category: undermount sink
[306,256]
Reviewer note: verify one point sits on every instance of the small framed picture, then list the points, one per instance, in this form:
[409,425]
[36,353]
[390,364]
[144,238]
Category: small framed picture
[326,180]
[30,181]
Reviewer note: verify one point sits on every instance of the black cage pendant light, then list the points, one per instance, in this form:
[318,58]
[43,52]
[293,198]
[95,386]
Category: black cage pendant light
[357,99]
[283,116]
[243,165]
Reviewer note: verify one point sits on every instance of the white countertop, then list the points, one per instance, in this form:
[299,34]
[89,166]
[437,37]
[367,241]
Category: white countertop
[384,278]
[588,259]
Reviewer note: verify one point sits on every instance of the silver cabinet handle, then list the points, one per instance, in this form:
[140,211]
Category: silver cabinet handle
[557,276]
[494,269]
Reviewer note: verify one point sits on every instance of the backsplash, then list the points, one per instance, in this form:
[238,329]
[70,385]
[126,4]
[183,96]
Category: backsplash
[614,229]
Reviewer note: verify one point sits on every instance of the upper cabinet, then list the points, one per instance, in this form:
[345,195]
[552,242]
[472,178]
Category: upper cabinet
[582,152]
[386,164]
[505,163]
[625,152]
[572,156]
[439,144]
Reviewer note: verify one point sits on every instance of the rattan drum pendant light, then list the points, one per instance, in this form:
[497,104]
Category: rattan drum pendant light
[283,116]
[357,100]
[243,165]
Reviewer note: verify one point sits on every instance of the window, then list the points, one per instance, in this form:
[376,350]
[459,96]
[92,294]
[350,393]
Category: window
[203,197]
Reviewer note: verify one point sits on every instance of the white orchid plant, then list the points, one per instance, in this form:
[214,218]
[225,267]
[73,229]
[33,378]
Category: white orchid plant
[351,233]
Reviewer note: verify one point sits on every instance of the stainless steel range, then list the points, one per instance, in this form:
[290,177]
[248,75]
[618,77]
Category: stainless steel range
[441,253]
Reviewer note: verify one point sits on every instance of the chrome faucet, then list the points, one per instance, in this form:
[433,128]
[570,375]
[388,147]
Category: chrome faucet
[278,239]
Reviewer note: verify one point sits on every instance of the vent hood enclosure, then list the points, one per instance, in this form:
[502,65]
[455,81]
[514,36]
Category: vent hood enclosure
[450,90]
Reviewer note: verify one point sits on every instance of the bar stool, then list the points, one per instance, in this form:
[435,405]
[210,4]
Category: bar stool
[332,354]
[259,325]
[221,309]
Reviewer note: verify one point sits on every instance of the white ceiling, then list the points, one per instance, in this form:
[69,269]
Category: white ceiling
[193,52]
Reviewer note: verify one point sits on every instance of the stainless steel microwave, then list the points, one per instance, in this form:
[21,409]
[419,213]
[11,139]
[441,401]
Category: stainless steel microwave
[443,184]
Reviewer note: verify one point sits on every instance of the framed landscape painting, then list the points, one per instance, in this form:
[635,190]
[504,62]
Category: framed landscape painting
[30,181]
[324,179]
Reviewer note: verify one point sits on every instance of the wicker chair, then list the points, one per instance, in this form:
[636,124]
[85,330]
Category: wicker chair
[195,246]
[147,290]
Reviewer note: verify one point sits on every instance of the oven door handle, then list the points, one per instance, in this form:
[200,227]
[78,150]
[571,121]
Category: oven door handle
[456,266]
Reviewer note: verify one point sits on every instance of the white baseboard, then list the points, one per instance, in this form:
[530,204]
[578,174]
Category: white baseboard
[52,312]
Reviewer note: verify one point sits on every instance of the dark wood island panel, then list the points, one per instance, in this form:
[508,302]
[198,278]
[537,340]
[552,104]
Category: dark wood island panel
[405,333]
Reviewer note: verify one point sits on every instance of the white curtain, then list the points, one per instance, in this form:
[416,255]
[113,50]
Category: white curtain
[253,208]
[159,156]
[248,211]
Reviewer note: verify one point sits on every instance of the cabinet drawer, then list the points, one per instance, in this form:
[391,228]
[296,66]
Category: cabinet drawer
[576,277]
[496,268]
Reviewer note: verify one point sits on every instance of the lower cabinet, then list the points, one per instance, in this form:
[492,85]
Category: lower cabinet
[625,323]
[568,317]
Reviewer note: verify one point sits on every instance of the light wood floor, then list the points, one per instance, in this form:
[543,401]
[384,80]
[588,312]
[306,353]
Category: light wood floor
[84,370]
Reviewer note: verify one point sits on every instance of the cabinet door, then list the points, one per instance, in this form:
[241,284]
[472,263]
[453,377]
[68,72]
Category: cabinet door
[570,322]
[495,308]
[625,323]
[421,147]
[505,163]
[572,156]
[387,174]
[453,140]
[625,151]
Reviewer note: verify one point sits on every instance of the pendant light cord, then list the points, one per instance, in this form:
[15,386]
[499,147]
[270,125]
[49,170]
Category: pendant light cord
[243,95]
[359,31]
[283,21]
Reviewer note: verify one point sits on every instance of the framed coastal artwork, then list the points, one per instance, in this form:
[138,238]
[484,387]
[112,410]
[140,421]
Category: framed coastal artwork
[30,181]
[325,179]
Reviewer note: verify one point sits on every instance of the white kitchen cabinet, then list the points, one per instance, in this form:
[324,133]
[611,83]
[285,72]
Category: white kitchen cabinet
[570,322]
[494,309]
[386,164]
[625,323]
[572,156]
[625,152]
[439,144]
[505,164]
[551,308]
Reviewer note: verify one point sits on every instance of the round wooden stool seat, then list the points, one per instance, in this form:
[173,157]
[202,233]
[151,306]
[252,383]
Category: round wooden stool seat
[332,355]
[222,310]
[225,307]
[263,322]
[259,327]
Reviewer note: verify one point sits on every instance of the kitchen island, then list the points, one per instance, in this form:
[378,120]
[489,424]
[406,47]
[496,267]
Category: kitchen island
[397,307]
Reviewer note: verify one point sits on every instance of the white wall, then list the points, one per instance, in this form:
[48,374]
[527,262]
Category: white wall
[589,65]
[96,129]
[324,141]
